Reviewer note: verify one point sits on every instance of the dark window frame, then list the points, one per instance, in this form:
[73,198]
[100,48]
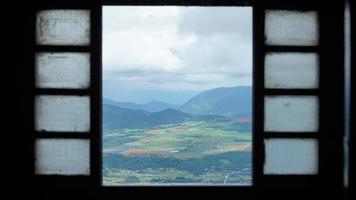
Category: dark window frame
[330,27]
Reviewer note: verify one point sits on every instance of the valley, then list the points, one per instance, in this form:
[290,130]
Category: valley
[208,140]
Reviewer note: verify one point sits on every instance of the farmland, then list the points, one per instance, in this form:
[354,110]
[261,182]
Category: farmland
[193,152]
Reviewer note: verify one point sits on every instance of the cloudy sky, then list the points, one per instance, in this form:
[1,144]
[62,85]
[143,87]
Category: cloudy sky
[170,54]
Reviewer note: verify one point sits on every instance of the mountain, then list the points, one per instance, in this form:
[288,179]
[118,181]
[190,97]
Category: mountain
[115,117]
[225,101]
[156,106]
[152,106]
[169,116]
[216,104]
[128,105]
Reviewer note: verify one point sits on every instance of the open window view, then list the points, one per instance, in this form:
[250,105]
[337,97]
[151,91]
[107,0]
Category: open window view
[177,95]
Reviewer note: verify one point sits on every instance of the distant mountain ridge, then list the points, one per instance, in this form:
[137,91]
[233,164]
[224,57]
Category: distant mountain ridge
[225,101]
[152,106]
[115,117]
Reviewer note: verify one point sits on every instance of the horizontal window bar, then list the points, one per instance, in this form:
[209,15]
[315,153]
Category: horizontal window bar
[64,180]
[291,134]
[64,48]
[300,180]
[77,92]
[291,91]
[291,48]
[63,135]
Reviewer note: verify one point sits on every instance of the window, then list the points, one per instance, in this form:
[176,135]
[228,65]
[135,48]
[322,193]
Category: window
[297,82]
[177,95]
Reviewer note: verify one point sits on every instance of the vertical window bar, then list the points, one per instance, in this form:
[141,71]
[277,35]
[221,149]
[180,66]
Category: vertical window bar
[258,86]
[96,38]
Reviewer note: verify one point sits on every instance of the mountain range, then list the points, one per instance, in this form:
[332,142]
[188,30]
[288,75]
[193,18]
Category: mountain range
[219,104]
[152,106]
[224,101]
[115,117]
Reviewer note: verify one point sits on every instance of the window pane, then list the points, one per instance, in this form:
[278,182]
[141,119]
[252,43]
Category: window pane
[62,70]
[62,156]
[291,113]
[291,70]
[291,28]
[62,113]
[63,27]
[291,156]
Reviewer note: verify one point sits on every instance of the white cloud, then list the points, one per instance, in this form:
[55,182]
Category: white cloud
[177,48]
[144,39]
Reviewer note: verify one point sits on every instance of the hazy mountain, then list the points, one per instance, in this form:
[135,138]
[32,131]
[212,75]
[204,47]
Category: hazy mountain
[225,101]
[156,106]
[115,117]
[152,106]
[128,105]
[208,105]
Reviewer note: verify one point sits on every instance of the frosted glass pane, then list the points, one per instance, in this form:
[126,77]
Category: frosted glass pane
[291,70]
[291,113]
[63,27]
[62,156]
[62,113]
[291,28]
[62,70]
[291,156]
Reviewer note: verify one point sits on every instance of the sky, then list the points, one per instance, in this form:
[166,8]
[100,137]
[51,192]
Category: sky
[170,53]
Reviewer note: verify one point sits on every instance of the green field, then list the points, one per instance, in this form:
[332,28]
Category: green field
[193,152]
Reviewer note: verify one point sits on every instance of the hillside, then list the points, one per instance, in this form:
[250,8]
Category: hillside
[225,101]
[115,117]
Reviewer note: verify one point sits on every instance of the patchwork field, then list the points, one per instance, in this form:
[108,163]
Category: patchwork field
[204,152]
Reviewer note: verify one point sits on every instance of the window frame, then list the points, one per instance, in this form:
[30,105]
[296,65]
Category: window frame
[259,180]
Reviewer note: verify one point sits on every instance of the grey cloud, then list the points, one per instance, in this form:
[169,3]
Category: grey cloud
[220,56]
[224,38]
[216,20]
